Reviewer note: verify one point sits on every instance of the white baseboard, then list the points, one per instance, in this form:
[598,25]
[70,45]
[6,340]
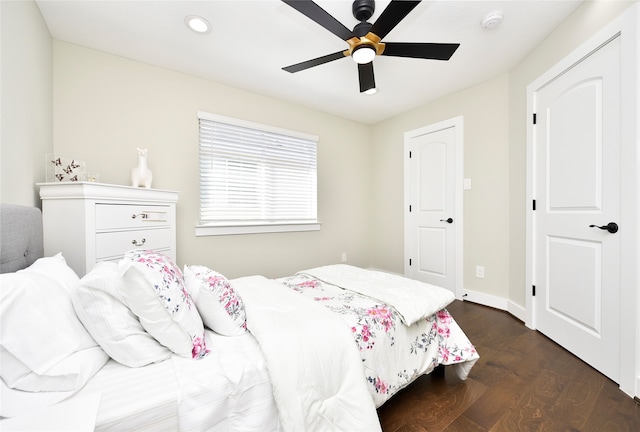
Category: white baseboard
[485,299]
[516,310]
[495,302]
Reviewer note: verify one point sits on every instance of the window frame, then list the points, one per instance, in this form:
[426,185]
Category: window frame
[253,227]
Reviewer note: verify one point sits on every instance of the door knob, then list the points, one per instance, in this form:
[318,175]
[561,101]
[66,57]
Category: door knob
[447,220]
[612,227]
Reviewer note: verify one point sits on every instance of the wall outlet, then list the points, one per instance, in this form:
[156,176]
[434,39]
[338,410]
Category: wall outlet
[480,272]
[344,257]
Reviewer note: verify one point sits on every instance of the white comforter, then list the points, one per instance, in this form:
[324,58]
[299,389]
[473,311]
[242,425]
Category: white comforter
[412,299]
[228,390]
[315,368]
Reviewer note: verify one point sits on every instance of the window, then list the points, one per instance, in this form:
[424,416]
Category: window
[255,178]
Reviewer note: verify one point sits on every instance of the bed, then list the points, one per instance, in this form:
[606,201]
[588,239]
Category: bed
[143,344]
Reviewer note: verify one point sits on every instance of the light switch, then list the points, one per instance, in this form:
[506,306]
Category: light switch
[466,184]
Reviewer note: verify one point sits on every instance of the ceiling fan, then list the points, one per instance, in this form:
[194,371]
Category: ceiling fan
[365,41]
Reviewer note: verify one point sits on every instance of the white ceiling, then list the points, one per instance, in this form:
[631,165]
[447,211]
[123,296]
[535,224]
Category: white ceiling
[252,40]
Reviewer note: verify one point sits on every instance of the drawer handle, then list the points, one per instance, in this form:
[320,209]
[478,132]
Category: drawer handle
[141,215]
[135,243]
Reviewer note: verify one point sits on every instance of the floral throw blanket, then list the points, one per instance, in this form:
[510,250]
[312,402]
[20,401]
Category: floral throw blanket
[393,354]
[413,300]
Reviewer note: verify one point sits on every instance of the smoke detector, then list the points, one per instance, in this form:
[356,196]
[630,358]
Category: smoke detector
[492,20]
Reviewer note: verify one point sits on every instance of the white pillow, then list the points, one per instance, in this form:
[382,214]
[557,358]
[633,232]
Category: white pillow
[44,346]
[153,288]
[220,306]
[100,307]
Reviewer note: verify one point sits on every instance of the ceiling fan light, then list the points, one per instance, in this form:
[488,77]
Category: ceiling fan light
[197,24]
[363,54]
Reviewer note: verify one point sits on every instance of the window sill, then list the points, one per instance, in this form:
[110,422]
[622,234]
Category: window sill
[214,230]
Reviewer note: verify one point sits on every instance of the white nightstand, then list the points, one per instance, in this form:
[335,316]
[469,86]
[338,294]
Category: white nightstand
[91,222]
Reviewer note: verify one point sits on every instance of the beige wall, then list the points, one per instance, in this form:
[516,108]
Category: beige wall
[25,107]
[105,106]
[485,111]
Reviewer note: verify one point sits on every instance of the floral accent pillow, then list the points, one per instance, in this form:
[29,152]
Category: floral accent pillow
[153,287]
[220,306]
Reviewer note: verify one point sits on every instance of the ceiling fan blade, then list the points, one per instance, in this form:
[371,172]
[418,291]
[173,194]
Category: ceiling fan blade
[322,17]
[432,51]
[365,74]
[391,16]
[314,62]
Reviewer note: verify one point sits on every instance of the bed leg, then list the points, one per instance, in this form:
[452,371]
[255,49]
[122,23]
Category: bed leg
[438,371]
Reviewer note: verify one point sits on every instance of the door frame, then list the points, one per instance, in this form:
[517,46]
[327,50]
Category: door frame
[626,27]
[458,124]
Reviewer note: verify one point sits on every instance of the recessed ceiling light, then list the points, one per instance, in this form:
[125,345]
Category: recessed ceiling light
[197,24]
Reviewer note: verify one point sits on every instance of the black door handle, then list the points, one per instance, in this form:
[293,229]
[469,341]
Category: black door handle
[447,220]
[612,227]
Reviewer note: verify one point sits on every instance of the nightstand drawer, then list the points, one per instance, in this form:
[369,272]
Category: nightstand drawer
[115,244]
[117,216]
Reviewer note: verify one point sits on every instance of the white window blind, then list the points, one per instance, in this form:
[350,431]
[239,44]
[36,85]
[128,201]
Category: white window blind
[255,175]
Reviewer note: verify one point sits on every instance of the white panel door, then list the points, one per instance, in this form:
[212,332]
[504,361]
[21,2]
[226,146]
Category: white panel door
[430,234]
[577,191]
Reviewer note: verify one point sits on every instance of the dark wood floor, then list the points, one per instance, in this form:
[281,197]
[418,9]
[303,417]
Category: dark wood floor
[522,382]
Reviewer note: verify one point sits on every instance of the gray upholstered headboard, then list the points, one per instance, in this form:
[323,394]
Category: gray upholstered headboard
[20,237]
